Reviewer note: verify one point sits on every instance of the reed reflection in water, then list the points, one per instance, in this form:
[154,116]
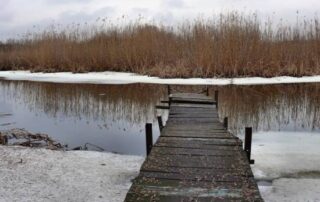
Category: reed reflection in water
[113,116]
[110,116]
[292,107]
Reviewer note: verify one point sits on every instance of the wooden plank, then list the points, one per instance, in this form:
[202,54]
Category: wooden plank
[162,193]
[215,162]
[192,101]
[194,152]
[209,119]
[194,120]
[215,128]
[223,133]
[200,135]
[209,177]
[207,106]
[194,115]
[195,127]
[199,141]
[196,173]
[175,197]
[190,95]
[192,146]
[153,189]
[249,183]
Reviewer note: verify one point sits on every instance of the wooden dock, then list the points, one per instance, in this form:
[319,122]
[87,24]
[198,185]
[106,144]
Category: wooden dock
[195,158]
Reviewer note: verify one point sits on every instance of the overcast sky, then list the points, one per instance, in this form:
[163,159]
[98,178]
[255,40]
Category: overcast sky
[19,16]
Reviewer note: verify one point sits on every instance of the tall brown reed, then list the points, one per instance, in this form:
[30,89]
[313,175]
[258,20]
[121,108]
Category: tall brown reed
[229,45]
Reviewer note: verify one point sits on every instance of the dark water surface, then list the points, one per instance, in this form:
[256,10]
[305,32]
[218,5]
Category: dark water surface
[113,116]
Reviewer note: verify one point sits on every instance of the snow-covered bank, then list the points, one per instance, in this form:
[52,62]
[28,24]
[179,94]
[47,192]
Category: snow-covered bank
[45,175]
[127,78]
[291,160]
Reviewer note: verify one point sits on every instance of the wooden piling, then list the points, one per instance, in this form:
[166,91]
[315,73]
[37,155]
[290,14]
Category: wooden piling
[248,143]
[149,138]
[216,97]
[160,122]
[225,123]
[169,90]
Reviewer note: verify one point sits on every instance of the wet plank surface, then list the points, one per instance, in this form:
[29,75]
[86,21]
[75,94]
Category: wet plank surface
[195,158]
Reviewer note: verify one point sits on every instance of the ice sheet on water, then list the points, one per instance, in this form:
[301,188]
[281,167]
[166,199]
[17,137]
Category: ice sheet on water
[291,161]
[282,154]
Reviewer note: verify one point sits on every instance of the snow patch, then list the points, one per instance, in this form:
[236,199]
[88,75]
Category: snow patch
[45,175]
[283,154]
[127,78]
[292,190]
[291,162]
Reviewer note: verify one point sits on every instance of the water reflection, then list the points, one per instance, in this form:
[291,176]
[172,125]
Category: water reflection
[113,116]
[110,116]
[131,102]
[293,107]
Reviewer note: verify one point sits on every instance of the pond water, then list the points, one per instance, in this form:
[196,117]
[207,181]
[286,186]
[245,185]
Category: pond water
[113,117]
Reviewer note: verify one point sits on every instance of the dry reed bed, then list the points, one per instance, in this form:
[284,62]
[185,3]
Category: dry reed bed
[230,45]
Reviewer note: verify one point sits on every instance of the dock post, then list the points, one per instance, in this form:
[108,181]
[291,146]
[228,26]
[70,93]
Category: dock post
[216,97]
[169,90]
[207,91]
[225,123]
[169,93]
[248,143]
[149,141]
[160,123]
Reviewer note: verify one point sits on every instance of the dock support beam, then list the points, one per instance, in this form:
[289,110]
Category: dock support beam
[207,91]
[248,143]
[216,97]
[160,122]
[149,140]
[225,123]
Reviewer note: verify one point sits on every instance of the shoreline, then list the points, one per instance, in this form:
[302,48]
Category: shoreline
[131,78]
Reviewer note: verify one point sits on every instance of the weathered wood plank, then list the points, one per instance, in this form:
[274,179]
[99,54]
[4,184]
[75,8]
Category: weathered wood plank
[192,101]
[193,127]
[190,95]
[248,183]
[209,177]
[147,196]
[194,152]
[207,106]
[223,133]
[200,135]
[198,172]
[207,147]
[198,142]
